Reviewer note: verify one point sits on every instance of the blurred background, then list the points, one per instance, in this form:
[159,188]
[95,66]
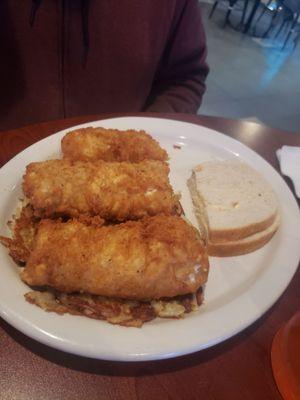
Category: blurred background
[254,59]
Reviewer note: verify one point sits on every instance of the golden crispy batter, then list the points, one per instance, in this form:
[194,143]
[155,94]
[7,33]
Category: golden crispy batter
[156,257]
[24,228]
[91,144]
[23,232]
[116,311]
[114,191]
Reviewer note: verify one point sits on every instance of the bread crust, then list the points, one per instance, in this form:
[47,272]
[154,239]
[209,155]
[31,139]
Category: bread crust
[229,235]
[243,246]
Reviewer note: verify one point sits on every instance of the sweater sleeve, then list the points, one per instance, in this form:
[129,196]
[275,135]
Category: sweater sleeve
[179,83]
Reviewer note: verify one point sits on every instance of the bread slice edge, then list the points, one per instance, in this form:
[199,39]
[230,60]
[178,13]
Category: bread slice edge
[245,245]
[199,208]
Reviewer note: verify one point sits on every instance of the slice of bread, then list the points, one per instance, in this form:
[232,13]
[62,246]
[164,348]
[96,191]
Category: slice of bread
[243,246]
[231,200]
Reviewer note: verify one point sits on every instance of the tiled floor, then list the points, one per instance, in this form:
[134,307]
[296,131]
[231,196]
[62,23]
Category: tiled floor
[248,80]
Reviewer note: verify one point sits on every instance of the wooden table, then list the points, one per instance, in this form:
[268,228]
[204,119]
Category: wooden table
[236,369]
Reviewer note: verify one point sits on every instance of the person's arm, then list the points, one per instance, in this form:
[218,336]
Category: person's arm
[180,80]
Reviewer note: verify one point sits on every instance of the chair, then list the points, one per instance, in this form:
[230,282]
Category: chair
[291,14]
[274,7]
[297,37]
[293,30]
[287,18]
[231,4]
[288,11]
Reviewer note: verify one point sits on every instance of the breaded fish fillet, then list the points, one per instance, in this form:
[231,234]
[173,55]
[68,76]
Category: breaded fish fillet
[23,227]
[114,191]
[152,258]
[91,144]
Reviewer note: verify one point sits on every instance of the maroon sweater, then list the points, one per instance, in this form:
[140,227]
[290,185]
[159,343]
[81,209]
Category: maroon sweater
[92,56]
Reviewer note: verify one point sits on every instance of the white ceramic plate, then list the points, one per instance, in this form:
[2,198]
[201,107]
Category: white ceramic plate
[239,289]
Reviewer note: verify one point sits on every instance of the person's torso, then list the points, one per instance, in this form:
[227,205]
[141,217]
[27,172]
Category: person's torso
[78,60]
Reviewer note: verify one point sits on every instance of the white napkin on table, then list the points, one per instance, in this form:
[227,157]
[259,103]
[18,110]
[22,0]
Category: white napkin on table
[289,159]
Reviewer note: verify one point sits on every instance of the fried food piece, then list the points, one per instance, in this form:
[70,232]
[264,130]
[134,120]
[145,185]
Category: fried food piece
[128,313]
[24,228]
[114,191]
[23,232]
[92,144]
[155,257]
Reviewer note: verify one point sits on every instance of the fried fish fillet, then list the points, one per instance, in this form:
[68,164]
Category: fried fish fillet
[91,144]
[114,191]
[152,258]
[23,228]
